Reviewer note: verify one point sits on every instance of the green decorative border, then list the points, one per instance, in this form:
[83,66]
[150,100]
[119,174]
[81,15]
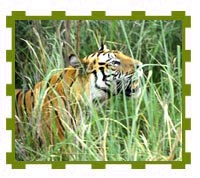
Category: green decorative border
[99,15]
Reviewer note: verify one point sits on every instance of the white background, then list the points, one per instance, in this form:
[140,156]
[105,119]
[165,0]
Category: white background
[114,7]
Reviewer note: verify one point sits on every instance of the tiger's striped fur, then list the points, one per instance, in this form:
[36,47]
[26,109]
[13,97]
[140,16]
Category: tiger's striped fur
[54,102]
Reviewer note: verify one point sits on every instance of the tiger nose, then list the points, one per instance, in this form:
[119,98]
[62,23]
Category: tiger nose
[138,65]
[138,68]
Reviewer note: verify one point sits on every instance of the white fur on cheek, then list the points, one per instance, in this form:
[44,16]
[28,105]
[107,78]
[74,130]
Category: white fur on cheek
[100,81]
[96,93]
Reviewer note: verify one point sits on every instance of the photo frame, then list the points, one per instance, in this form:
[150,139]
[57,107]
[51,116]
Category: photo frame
[100,15]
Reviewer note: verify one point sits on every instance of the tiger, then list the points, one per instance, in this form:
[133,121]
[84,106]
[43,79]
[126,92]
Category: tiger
[53,102]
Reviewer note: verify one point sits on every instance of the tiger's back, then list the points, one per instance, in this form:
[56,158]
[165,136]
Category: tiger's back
[47,98]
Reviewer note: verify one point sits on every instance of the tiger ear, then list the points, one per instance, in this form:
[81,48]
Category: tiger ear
[74,61]
[103,47]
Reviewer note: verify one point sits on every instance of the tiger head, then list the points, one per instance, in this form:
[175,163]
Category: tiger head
[111,72]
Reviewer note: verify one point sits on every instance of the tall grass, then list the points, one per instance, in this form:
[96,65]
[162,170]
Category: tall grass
[123,129]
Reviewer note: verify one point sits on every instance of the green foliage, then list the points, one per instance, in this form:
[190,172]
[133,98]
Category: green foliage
[124,129]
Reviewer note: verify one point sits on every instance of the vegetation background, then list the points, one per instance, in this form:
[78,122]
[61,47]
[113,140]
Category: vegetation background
[145,129]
